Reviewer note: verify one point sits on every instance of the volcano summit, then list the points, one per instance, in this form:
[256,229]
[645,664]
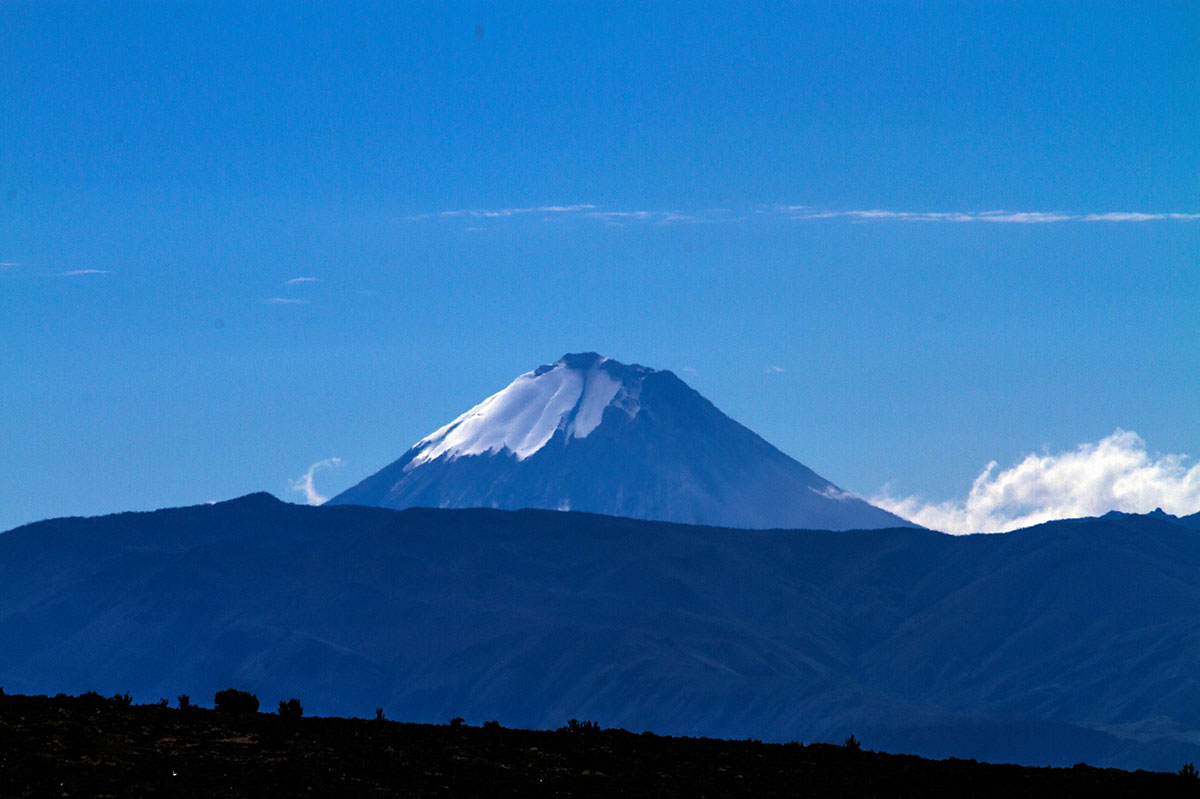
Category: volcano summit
[591,434]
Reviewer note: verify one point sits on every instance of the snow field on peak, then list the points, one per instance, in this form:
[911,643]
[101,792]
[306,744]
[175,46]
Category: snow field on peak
[524,416]
[598,394]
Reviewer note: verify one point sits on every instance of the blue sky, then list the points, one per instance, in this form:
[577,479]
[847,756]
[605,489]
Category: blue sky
[702,172]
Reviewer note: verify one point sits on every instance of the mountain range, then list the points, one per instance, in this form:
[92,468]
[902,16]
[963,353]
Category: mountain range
[598,541]
[1071,641]
[589,433]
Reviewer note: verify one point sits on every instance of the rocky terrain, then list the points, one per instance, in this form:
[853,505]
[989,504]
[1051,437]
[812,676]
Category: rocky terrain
[94,746]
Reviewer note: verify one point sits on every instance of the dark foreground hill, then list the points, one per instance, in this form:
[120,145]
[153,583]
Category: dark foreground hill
[90,746]
[1072,641]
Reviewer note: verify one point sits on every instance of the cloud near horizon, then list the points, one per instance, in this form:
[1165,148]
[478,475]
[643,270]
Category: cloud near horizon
[78,272]
[1115,473]
[305,484]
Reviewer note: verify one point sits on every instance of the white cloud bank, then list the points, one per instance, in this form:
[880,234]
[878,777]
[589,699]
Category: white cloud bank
[1115,473]
[305,485]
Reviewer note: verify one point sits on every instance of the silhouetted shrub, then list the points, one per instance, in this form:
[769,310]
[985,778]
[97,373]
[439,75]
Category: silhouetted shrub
[291,709]
[578,727]
[163,702]
[231,700]
[185,701]
[379,714]
[852,743]
[457,721]
[122,700]
[1189,771]
[491,725]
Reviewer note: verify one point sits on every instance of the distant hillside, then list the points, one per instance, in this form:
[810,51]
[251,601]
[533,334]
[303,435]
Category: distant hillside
[1072,641]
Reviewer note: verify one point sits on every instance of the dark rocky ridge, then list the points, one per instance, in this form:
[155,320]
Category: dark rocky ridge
[89,746]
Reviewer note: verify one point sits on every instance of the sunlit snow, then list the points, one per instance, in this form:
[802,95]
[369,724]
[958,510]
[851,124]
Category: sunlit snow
[524,416]
[598,393]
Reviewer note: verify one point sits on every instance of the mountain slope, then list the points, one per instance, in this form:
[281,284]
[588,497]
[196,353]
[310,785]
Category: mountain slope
[1066,642]
[588,433]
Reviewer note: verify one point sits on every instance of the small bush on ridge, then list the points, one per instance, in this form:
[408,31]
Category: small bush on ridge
[231,700]
[291,709]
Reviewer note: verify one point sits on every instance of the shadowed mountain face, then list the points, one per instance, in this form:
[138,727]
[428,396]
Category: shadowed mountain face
[588,433]
[1071,641]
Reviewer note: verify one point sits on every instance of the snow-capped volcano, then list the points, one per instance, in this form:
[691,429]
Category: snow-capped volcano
[570,395]
[589,433]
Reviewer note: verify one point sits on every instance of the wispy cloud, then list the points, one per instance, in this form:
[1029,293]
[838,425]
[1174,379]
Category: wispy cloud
[497,213]
[286,301]
[305,485]
[805,212]
[1115,473]
[579,211]
[774,370]
[659,217]
[618,216]
[9,264]
[79,272]
[298,280]
[1137,216]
